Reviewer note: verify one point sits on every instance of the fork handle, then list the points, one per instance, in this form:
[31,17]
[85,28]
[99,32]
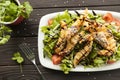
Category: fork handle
[38,70]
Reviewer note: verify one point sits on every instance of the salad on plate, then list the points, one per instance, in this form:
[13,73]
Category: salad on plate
[87,39]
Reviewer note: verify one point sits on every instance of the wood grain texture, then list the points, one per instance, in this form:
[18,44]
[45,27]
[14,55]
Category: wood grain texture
[70,3]
[7,50]
[27,32]
[30,73]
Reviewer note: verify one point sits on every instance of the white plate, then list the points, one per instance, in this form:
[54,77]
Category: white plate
[48,63]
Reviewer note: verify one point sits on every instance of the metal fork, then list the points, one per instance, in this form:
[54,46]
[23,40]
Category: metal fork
[30,55]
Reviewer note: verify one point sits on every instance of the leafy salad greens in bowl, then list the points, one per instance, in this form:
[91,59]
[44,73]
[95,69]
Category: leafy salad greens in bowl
[86,38]
[11,11]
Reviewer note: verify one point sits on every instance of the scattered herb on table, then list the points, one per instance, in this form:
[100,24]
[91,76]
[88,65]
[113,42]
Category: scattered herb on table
[17,56]
[4,34]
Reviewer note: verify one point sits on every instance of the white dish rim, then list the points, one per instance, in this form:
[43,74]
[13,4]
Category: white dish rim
[46,62]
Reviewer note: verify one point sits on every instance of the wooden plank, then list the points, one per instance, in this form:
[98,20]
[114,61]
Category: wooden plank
[7,50]
[25,30]
[25,68]
[30,73]
[14,73]
[70,3]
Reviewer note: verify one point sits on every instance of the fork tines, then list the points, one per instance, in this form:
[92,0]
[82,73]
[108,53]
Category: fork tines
[27,51]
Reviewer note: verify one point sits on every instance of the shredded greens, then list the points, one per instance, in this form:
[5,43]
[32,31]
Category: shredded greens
[67,63]
[52,33]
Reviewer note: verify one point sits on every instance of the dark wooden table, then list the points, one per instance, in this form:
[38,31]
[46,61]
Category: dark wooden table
[27,32]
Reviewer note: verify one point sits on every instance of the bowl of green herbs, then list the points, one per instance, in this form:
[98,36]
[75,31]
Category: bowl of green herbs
[13,12]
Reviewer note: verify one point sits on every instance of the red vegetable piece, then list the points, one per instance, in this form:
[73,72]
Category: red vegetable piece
[117,21]
[50,21]
[111,61]
[56,59]
[108,17]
